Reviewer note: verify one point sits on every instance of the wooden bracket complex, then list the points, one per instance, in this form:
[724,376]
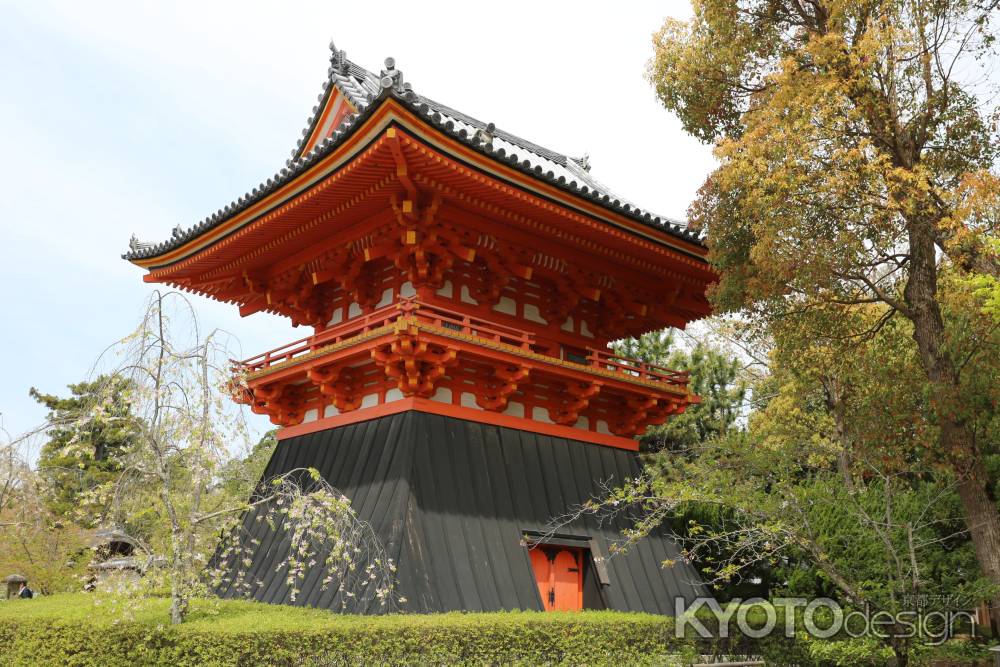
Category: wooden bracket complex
[339,384]
[283,403]
[494,393]
[577,397]
[637,413]
[426,249]
[415,364]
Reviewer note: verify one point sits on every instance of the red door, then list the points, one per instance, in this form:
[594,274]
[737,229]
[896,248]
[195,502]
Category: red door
[567,580]
[543,574]
[559,575]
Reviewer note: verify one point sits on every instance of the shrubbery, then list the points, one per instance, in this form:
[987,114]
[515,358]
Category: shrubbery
[72,630]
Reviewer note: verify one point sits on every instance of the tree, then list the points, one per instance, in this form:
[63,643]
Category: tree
[828,486]
[178,384]
[716,378]
[89,434]
[34,541]
[240,476]
[857,166]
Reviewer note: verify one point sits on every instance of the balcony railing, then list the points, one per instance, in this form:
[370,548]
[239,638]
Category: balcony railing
[459,322]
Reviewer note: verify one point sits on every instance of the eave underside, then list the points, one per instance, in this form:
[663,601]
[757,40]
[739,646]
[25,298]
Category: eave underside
[340,211]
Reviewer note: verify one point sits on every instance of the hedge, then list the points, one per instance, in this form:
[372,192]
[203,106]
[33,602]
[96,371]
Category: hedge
[71,630]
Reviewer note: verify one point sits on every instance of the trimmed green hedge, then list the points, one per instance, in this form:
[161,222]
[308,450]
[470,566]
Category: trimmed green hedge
[71,630]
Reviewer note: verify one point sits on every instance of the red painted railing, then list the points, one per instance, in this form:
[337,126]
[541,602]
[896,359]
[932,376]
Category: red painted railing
[459,322]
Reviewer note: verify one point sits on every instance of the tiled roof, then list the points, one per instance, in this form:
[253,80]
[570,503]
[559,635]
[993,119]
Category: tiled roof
[366,91]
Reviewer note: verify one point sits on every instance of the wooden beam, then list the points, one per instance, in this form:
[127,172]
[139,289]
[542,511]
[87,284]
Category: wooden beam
[255,306]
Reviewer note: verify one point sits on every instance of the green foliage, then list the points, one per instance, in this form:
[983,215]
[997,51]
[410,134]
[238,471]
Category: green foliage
[92,430]
[69,630]
[853,220]
[830,486]
[241,475]
[73,630]
[864,652]
[715,378]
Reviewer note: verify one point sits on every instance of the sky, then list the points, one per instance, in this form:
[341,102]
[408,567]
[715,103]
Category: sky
[133,117]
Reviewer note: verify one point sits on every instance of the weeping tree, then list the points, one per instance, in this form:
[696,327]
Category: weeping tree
[178,383]
[857,146]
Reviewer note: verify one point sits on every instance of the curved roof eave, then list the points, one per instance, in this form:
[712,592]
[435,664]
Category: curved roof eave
[446,121]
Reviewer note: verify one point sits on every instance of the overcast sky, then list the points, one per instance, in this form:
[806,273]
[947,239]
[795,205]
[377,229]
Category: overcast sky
[133,117]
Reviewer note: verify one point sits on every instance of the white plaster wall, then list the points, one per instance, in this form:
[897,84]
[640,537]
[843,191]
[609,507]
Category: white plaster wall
[514,409]
[467,297]
[442,395]
[507,306]
[531,313]
[386,298]
[447,290]
[540,414]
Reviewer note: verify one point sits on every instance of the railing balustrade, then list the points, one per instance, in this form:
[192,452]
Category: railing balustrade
[456,321]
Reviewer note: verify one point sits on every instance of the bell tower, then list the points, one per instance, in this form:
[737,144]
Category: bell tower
[460,286]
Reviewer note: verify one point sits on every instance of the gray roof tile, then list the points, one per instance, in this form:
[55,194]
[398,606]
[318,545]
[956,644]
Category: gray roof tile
[364,89]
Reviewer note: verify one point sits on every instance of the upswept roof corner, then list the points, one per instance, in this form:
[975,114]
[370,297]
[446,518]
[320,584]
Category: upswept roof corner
[366,92]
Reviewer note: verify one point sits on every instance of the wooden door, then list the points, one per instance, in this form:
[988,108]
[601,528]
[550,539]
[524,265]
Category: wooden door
[543,575]
[559,575]
[567,580]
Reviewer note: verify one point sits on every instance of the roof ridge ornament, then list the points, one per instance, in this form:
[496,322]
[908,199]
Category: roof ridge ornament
[484,135]
[583,161]
[391,77]
[338,59]
[135,245]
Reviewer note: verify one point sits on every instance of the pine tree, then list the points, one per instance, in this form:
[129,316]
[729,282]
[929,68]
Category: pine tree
[91,431]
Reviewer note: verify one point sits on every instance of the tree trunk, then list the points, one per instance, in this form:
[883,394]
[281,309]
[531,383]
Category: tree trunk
[981,516]
[178,606]
[178,589]
[902,656]
[959,446]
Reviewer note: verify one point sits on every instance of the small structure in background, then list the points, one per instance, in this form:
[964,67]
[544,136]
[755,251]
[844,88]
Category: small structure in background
[14,582]
[118,558]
